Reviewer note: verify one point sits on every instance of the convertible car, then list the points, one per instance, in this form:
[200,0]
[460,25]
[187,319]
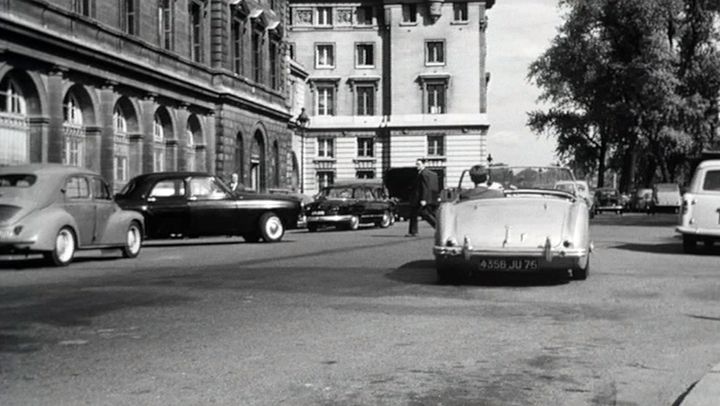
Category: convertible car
[196,204]
[55,210]
[530,225]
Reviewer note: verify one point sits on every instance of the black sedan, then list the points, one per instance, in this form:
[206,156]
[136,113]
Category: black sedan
[193,204]
[347,205]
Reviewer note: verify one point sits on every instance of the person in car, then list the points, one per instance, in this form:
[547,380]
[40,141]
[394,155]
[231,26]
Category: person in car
[484,186]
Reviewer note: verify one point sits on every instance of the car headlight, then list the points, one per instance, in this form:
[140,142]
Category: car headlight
[10,232]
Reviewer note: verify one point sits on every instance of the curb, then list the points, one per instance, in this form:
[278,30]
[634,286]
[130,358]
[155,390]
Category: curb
[706,391]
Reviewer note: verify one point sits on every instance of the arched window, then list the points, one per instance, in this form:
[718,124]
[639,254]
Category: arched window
[72,113]
[119,121]
[73,132]
[189,138]
[158,131]
[11,99]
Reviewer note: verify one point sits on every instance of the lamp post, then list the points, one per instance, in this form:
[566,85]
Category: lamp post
[489,159]
[302,120]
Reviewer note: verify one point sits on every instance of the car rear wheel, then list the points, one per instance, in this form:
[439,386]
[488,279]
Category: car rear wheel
[386,220]
[64,250]
[581,272]
[133,241]
[354,223]
[271,227]
[689,243]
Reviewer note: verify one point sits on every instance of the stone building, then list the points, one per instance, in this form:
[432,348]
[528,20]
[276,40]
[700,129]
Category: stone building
[390,81]
[128,86]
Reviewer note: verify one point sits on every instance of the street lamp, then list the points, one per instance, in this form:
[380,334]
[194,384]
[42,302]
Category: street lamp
[302,120]
[489,159]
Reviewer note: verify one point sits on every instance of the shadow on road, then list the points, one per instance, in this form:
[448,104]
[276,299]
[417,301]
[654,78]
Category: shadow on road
[423,272]
[636,219]
[667,248]
[35,261]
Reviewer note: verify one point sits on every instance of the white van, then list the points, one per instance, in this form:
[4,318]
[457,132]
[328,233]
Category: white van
[700,216]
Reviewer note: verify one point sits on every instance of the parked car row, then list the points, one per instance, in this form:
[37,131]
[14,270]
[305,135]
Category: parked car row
[56,210]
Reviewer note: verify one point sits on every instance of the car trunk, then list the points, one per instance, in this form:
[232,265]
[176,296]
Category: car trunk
[512,222]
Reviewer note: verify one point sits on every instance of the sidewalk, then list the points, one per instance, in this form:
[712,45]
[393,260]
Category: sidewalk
[707,391]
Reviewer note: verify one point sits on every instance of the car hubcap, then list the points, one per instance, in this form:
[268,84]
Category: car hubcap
[133,239]
[274,227]
[64,246]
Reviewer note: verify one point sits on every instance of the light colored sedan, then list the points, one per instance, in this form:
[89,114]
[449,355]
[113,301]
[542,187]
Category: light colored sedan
[56,210]
[528,226]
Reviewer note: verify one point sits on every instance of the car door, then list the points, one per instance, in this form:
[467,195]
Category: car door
[104,208]
[706,209]
[213,210]
[78,203]
[167,209]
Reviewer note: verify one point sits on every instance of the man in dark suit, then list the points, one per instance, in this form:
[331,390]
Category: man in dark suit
[422,196]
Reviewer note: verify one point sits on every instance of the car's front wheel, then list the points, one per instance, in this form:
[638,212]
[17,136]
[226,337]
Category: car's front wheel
[271,227]
[64,250]
[133,241]
[354,223]
[447,272]
[386,220]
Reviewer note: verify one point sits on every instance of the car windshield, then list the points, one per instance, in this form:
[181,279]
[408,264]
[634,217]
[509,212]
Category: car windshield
[17,180]
[337,193]
[527,177]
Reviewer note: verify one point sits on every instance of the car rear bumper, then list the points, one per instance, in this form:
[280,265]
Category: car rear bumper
[608,208]
[698,231]
[16,247]
[545,259]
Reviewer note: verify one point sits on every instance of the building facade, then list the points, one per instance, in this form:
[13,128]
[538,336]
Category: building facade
[128,86]
[390,81]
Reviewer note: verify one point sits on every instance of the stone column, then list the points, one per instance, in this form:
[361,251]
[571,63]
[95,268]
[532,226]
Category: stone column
[146,119]
[107,131]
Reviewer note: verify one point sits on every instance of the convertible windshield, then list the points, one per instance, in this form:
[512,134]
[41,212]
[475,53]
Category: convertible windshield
[527,177]
[17,180]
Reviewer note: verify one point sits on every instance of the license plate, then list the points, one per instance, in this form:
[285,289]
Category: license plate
[318,213]
[502,264]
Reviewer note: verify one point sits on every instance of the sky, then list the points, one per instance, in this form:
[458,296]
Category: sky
[518,32]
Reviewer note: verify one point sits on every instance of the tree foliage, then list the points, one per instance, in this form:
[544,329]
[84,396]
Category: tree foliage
[632,84]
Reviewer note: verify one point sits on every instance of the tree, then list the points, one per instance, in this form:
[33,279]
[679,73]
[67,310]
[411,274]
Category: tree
[631,84]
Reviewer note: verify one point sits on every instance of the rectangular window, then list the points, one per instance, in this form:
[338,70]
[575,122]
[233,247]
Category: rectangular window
[436,145]
[434,52]
[120,168]
[366,147]
[83,7]
[364,15]
[436,98]
[326,148]
[100,191]
[257,41]
[712,181]
[409,13]
[274,64]
[324,16]
[129,14]
[325,178]
[325,100]
[365,55]
[237,33]
[196,28]
[365,174]
[365,100]
[460,12]
[325,56]
[166,20]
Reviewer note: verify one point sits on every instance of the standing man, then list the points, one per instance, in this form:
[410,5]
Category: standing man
[422,195]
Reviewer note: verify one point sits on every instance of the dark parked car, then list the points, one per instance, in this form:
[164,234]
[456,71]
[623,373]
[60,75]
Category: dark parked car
[194,204]
[56,210]
[347,205]
[608,199]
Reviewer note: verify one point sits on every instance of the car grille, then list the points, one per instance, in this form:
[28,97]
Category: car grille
[7,212]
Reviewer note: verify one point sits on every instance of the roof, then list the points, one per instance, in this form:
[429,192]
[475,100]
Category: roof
[45,169]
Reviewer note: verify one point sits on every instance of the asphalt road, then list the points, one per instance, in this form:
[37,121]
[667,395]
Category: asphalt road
[355,318]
